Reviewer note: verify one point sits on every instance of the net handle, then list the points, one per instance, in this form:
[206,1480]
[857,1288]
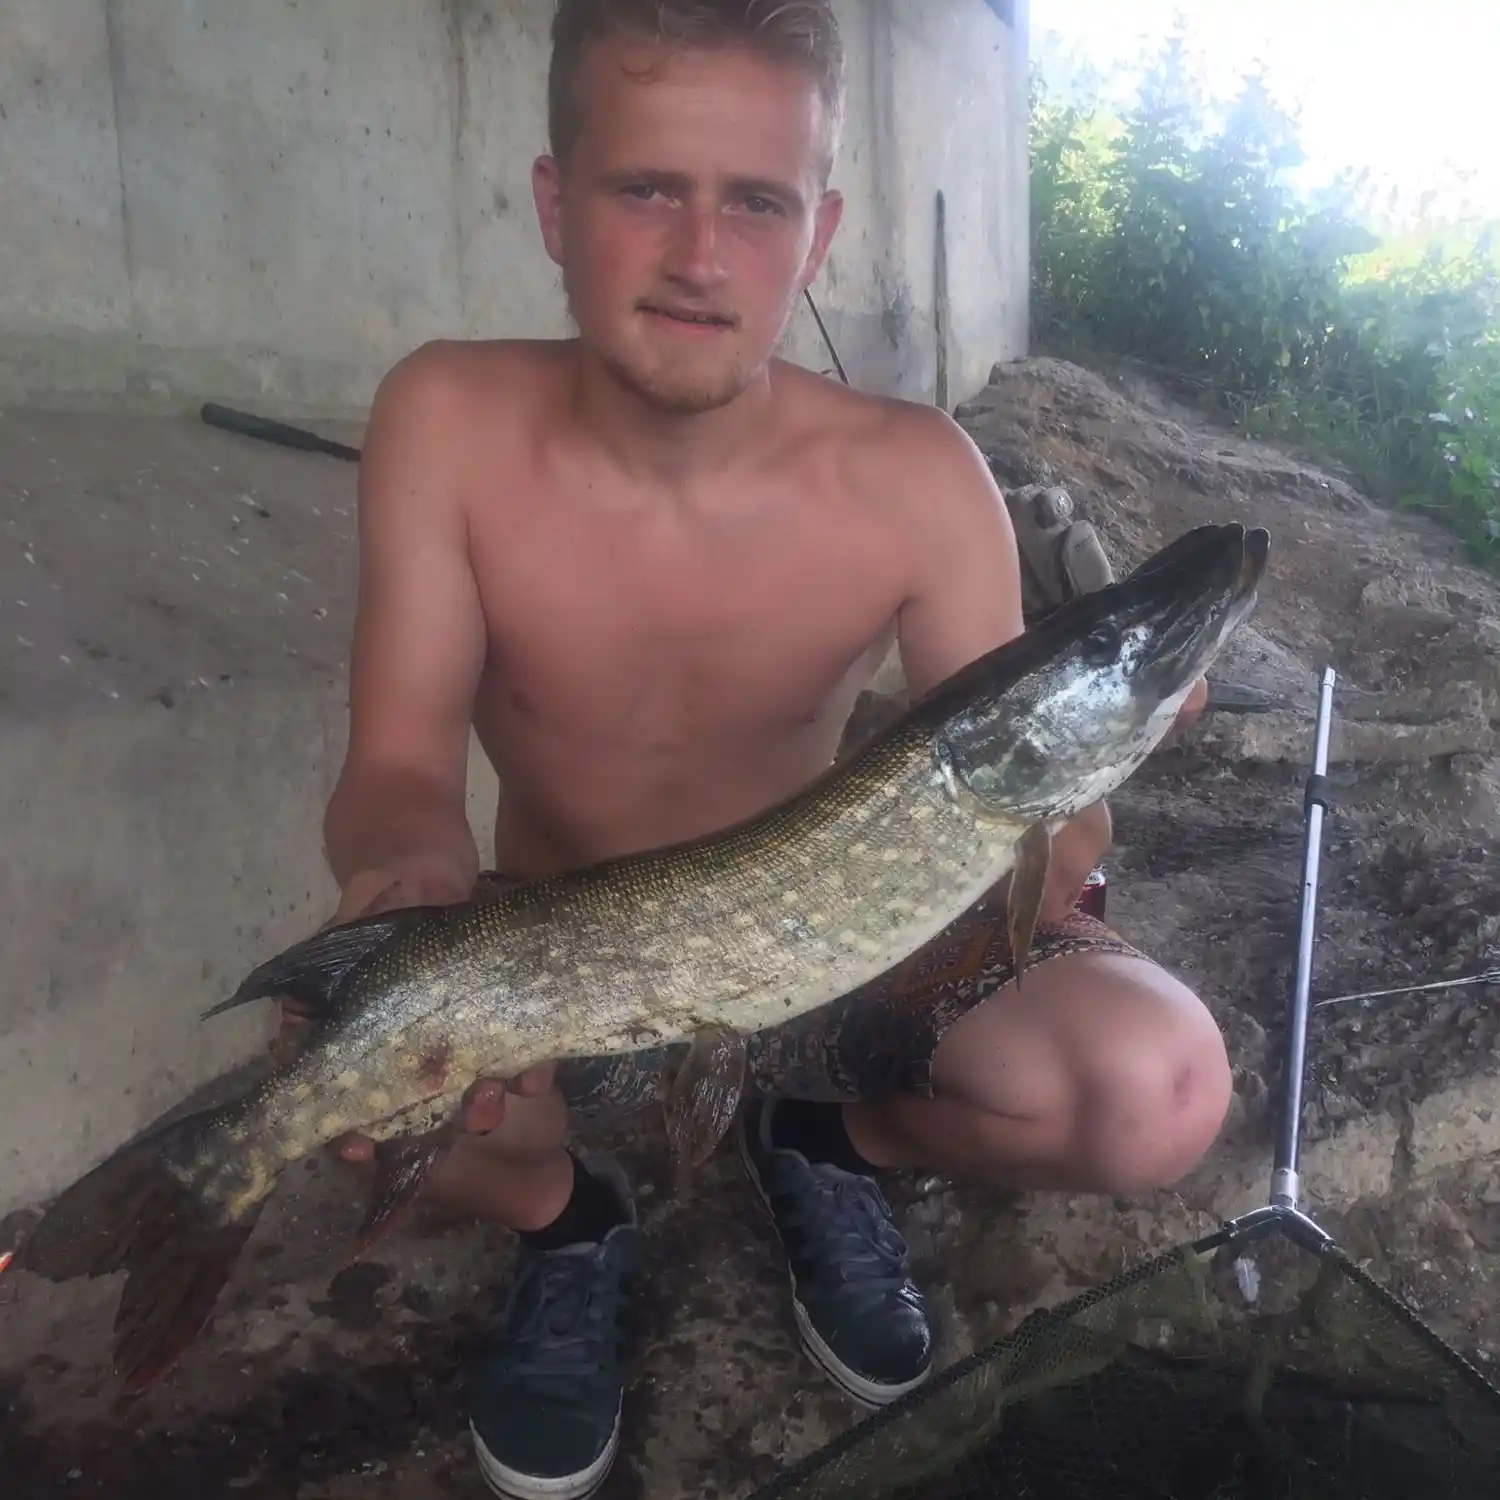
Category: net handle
[1285,1184]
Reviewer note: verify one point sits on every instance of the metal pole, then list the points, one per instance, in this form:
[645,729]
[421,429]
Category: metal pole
[812,307]
[1285,1184]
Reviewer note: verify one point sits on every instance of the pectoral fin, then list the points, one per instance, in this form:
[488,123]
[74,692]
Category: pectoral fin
[1028,881]
[703,1095]
[402,1165]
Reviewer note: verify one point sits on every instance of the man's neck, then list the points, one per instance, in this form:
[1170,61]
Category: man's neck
[667,448]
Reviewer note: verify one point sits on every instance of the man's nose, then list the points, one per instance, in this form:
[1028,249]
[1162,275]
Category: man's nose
[693,252]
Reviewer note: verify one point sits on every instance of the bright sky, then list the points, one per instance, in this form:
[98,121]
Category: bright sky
[1411,91]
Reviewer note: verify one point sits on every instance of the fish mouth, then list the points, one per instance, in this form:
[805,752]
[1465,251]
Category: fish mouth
[1222,567]
[1188,597]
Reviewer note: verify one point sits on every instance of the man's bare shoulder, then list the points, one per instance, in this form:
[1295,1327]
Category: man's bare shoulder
[454,376]
[899,452]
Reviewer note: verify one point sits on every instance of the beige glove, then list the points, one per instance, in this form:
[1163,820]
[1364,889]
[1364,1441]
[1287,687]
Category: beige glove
[1061,556]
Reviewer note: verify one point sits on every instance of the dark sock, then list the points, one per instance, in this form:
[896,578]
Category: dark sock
[817,1131]
[590,1213]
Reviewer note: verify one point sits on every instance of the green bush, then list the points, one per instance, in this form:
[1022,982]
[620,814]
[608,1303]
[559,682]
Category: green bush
[1171,235]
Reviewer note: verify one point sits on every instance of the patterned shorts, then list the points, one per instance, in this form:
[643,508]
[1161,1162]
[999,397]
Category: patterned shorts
[875,1041]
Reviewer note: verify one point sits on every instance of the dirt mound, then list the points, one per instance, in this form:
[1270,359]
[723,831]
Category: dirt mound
[1207,863]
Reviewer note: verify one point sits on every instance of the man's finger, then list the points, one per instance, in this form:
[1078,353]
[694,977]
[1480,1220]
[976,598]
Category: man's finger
[355,1149]
[484,1106]
[534,1082]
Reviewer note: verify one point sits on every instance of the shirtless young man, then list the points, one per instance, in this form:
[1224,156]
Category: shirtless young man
[654,567]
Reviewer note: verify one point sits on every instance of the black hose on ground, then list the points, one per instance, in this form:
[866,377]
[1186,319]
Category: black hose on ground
[271,431]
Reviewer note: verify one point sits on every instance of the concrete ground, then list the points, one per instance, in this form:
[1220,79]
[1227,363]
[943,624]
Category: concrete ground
[174,604]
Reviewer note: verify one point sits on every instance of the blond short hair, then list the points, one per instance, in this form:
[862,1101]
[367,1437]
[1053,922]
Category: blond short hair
[805,32]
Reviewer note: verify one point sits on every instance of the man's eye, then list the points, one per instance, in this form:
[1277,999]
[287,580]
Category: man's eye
[759,205]
[641,190]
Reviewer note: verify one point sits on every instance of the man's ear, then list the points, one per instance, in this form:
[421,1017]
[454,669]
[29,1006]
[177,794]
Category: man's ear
[826,219]
[547,190]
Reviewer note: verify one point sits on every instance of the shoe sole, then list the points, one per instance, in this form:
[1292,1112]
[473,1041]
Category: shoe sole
[868,1393]
[510,1485]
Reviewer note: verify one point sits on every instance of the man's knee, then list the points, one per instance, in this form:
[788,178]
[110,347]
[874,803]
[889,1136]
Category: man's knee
[1149,1111]
[1154,1082]
[1116,1070]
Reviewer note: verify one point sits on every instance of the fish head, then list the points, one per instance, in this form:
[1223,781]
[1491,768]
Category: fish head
[1061,716]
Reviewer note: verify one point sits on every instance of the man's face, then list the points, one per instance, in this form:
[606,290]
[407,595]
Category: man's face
[689,216]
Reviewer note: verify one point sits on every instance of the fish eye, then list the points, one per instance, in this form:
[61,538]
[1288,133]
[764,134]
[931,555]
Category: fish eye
[1102,646]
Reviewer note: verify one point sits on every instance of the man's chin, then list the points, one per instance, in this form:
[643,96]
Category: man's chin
[682,393]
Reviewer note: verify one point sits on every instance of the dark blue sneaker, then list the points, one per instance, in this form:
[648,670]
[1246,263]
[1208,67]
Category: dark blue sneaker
[860,1316]
[544,1405]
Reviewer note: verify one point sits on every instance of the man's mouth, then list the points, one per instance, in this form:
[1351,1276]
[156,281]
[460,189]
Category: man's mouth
[687,316]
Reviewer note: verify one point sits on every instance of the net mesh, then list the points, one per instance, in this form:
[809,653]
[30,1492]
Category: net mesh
[1170,1382]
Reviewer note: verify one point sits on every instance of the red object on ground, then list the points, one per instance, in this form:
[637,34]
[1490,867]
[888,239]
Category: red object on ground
[1092,898]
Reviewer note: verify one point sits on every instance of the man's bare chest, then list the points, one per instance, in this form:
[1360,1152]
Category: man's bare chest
[662,632]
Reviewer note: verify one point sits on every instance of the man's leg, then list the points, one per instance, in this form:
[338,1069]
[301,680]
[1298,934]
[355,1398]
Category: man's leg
[1102,1073]
[544,1401]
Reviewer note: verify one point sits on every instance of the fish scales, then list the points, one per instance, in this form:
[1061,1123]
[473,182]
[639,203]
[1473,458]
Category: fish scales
[705,942]
[793,913]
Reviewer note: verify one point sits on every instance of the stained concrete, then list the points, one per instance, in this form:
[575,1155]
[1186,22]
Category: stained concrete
[175,605]
[270,204]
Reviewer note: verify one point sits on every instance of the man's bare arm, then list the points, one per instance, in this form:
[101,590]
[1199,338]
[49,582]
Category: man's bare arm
[396,829]
[965,600]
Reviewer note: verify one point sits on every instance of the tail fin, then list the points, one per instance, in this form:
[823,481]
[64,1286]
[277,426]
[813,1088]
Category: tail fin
[133,1214]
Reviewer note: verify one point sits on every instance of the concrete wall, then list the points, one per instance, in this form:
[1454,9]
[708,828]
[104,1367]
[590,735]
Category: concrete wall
[270,203]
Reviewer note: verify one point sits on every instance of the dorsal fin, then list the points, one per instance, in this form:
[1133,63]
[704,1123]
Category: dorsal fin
[310,972]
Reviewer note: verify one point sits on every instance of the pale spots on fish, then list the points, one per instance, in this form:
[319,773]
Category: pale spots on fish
[802,909]
[254,1189]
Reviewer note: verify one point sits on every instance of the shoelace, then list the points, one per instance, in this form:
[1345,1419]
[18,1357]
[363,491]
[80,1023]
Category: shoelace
[571,1312]
[848,1232]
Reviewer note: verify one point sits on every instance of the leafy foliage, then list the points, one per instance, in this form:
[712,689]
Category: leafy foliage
[1170,234]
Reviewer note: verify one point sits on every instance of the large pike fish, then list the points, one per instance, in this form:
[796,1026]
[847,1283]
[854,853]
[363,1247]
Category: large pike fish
[704,942]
